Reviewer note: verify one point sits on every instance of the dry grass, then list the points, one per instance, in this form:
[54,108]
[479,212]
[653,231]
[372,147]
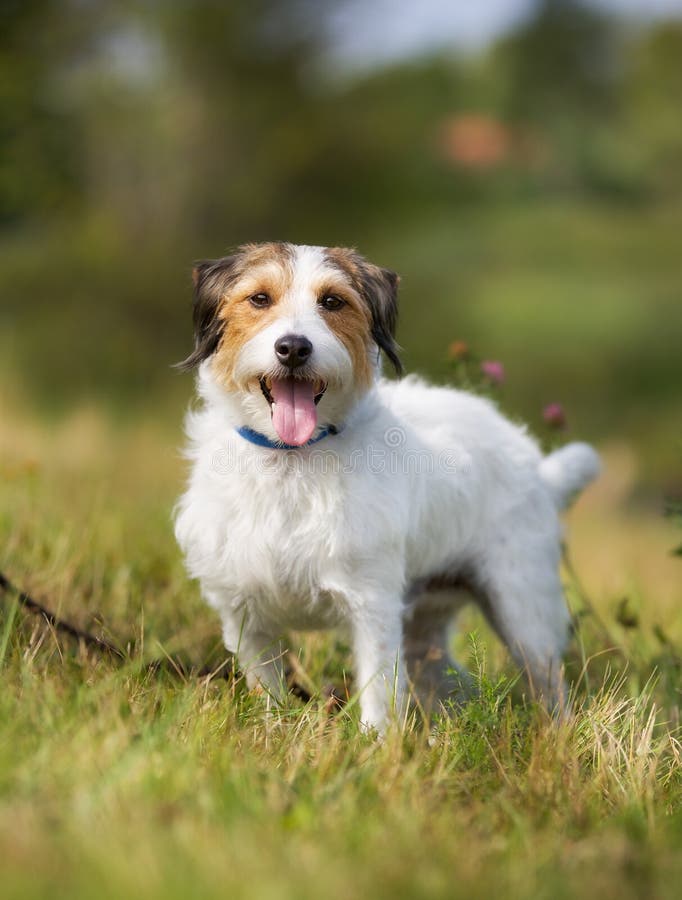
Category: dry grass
[117,783]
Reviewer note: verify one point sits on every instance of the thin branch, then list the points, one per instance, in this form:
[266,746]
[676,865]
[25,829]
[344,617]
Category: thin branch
[61,625]
[171,664]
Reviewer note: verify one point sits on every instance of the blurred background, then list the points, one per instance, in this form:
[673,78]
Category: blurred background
[518,162]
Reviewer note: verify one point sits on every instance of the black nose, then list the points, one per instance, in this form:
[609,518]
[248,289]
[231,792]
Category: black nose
[293,350]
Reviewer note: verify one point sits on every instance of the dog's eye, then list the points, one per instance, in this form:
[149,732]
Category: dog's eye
[331,302]
[260,301]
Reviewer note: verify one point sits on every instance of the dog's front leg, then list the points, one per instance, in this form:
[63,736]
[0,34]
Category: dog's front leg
[379,667]
[260,657]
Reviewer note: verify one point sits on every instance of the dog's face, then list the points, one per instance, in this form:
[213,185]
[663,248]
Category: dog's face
[295,331]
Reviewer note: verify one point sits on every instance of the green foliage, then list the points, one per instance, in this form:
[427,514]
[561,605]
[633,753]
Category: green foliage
[563,64]
[674,511]
[39,136]
[135,139]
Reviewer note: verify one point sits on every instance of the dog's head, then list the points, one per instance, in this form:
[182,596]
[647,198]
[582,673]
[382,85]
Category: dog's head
[296,332]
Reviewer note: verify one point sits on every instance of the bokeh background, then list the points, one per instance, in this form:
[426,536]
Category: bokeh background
[519,163]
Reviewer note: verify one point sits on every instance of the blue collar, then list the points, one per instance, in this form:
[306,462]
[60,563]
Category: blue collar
[261,440]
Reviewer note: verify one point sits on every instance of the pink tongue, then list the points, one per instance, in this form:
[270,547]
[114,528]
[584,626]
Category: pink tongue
[294,414]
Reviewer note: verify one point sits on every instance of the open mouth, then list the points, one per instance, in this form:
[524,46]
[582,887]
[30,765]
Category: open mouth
[293,406]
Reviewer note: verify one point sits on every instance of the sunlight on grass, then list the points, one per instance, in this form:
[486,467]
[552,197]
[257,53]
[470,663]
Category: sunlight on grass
[122,782]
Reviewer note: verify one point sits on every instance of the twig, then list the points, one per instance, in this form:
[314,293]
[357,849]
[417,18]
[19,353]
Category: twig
[171,664]
[58,624]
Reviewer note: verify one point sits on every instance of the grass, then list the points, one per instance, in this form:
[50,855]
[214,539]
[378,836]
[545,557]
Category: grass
[118,783]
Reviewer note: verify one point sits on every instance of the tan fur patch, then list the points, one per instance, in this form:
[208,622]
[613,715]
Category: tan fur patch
[378,289]
[355,327]
[263,268]
[352,325]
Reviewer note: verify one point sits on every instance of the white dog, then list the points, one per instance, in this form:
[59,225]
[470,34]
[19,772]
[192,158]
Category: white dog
[323,496]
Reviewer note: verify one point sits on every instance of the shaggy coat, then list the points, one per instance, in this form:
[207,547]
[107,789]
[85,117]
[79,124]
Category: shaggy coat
[324,496]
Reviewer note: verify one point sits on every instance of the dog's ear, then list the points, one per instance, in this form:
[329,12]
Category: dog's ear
[380,287]
[211,279]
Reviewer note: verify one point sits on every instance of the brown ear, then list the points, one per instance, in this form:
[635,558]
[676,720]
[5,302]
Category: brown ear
[211,279]
[380,287]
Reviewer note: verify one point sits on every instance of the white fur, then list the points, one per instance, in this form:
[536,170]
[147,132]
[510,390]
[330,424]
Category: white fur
[422,482]
[568,470]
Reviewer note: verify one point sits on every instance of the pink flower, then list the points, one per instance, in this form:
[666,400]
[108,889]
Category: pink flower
[554,415]
[493,371]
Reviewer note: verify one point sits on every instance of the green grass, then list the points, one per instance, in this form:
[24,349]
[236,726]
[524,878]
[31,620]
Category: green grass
[118,783]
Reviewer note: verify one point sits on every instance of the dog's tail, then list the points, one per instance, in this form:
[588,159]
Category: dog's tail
[568,470]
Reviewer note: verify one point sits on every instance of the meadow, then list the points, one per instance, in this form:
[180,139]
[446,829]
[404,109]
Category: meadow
[120,781]
[530,197]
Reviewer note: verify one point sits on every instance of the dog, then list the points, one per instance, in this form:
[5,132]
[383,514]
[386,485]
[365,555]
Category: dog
[322,495]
